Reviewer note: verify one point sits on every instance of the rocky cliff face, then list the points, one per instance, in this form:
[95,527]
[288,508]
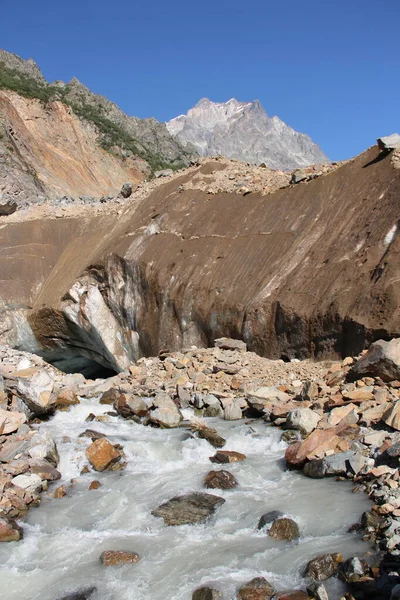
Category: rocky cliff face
[61,139]
[244,131]
[310,270]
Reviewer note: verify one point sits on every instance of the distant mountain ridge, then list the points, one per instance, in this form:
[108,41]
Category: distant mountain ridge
[243,130]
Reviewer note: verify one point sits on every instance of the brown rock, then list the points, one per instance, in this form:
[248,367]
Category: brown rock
[60,492]
[359,395]
[128,405]
[94,485]
[227,456]
[292,595]
[110,396]
[222,480]
[102,454]
[112,558]
[207,593]
[284,529]
[10,421]
[9,530]
[392,416]
[211,436]
[67,397]
[323,567]
[256,589]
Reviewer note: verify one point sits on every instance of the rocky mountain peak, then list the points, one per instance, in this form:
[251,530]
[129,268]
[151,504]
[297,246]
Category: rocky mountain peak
[243,130]
[28,67]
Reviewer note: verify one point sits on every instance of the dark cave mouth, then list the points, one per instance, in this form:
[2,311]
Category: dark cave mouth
[87,367]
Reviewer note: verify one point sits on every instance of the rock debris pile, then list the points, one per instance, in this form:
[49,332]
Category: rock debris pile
[339,419]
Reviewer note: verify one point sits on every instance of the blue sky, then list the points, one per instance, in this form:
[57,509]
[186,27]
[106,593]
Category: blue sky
[330,69]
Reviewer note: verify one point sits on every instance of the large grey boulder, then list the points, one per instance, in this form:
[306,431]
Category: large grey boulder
[43,447]
[166,413]
[381,360]
[35,387]
[303,419]
[188,509]
[341,463]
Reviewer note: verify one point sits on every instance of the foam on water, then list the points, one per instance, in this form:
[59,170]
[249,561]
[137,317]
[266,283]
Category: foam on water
[65,537]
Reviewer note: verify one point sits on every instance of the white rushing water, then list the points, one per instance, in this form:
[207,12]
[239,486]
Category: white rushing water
[63,538]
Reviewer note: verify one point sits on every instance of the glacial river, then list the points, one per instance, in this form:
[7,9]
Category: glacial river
[63,538]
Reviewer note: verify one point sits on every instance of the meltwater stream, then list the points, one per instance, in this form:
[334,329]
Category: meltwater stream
[63,538]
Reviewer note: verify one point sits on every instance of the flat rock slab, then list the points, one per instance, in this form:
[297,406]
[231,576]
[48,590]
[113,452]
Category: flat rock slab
[114,558]
[188,509]
[230,344]
[227,456]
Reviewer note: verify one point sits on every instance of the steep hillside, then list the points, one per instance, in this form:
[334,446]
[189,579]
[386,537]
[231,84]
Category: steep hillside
[244,131]
[307,270]
[54,138]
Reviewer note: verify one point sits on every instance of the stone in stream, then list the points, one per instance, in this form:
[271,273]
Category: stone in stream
[67,397]
[94,485]
[284,529]
[110,396]
[60,492]
[92,434]
[82,594]
[129,405]
[206,433]
[227,456]
[232,412]
[256,589]
[207,593]
[190,508]
[354,569]
[317,590]
[324,566]
[222,480]
[43,447]
[103,455]
[269,517]
[113,558]
[9,530]
[35,387]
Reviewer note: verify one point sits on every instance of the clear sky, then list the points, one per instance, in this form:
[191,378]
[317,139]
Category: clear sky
[329,69]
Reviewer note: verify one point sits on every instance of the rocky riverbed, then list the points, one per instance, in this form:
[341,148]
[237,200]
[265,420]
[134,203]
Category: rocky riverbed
[183,506]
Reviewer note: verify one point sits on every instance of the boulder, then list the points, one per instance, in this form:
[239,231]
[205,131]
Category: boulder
[9,530]
[354,569]
[232,412]
[341,463]
[360,395]
[392,416]
[230,344]
[190,508]
[31,483]
[263,396]
[222,480]
[102,454]
[317,590]
[339,413]
[207,593]
[389,142]
[324,566]
[110,396]
[227,456]
[316,444]
[303,419]
[129,405]
[44,470]
[126,190]
[81,594]
[67,397]
[10,421]
[113,558]
[35,387]
[256,589]
[381,360]
[166,413]
[211,435]
[43,447]
[284,529]
[269,517]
